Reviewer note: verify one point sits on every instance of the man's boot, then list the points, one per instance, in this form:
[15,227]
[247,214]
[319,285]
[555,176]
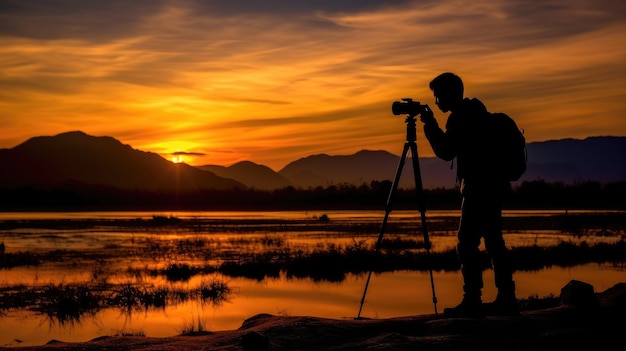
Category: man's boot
[505,304]
[468,308]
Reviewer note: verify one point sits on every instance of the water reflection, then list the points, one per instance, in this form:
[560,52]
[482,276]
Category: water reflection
[390,295]
[76,283]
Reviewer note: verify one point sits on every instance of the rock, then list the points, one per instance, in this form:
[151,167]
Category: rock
[614,296]
[253,341]
[579,294]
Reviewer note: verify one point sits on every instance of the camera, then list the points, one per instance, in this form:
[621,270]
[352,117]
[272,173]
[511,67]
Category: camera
[407,107]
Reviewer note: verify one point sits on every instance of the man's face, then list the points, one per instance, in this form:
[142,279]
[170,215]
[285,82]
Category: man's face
[442,102]
[446,101]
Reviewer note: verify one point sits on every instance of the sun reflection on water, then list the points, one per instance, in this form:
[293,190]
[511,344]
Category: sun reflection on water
[171,271]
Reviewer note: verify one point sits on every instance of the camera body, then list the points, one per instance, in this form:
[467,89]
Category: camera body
[407,107]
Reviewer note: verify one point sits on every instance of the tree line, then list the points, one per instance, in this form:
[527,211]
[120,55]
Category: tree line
[75,196]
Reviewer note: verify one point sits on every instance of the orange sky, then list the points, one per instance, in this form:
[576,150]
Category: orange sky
[273,81]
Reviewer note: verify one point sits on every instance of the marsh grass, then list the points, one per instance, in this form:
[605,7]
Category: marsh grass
[324,262]
[196,326]
[179,272]
[214,291]
[20,259]
[537,303]
[130,332]
[69,304]
[180,250]
[333,262]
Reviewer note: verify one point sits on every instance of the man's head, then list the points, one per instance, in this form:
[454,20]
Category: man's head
[448,90]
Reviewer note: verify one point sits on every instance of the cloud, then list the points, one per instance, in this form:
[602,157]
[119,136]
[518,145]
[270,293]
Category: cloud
[272,81]
[185,153]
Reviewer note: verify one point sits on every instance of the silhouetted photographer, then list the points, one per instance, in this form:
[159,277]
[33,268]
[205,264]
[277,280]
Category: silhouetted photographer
[468,138]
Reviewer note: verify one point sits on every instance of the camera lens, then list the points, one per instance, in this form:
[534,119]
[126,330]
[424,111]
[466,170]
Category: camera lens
[398,107]
[406,107]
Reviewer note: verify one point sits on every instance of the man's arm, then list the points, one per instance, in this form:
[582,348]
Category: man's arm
[441,142]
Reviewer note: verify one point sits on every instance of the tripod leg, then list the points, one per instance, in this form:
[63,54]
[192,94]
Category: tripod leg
[394,187]
[422,208]
[392,192]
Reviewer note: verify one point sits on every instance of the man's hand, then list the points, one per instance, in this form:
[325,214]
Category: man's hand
[426,115]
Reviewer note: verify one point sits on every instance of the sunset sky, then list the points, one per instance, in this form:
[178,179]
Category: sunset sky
[275,80]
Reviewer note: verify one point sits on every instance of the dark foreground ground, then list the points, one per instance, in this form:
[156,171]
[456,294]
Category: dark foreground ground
[584,320]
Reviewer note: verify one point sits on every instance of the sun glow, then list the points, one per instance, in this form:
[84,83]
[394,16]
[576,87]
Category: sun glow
[272,84]
[178,159]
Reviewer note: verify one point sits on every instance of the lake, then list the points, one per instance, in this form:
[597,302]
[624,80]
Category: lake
[125,264]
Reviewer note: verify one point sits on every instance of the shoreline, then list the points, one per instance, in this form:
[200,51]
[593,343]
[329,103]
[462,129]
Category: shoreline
[578,323]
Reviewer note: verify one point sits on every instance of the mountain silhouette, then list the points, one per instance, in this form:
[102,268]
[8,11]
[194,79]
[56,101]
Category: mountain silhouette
[251,174]
[364,167]
[598,159]
[76,156]
[568,161]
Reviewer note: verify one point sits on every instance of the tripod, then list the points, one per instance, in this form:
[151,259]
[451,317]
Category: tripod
[410,144]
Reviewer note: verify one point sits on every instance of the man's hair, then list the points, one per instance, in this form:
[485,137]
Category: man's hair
[447,84]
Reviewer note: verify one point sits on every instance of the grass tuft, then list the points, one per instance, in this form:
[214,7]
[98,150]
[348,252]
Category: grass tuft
[195,327]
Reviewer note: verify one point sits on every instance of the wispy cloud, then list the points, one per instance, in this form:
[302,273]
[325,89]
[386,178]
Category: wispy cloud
[273,81]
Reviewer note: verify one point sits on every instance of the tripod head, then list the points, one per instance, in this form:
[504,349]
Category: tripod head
[411,129]
[410,108]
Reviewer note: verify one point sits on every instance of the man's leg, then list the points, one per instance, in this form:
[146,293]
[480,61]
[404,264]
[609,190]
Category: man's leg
[502,267]
[469,257]
[506,301]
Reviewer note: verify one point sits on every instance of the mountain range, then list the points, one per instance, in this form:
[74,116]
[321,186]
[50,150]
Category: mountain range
[567,160]
[78,157]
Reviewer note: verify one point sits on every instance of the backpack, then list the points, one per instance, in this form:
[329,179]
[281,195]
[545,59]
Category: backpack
[509,146]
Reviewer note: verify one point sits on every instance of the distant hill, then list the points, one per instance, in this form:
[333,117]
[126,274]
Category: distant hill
[599,159]
[364,167]
[78,157]
[568,160]
[251,174]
